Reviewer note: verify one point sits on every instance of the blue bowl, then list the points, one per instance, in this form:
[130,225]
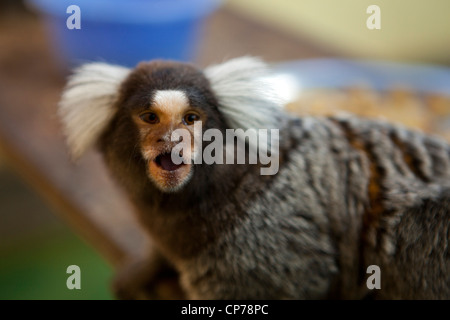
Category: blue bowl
[126,32]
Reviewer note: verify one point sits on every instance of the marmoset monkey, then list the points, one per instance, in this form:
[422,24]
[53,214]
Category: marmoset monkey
[349,193]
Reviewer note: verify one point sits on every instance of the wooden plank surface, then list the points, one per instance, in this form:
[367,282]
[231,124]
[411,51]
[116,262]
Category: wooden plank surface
[30,138]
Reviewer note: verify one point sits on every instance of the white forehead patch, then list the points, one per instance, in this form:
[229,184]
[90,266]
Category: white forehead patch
[170,101]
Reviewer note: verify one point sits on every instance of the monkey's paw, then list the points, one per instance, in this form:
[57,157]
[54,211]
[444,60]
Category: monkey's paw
[147,280]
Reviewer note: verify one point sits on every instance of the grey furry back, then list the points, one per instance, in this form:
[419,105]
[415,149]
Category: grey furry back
[350,193]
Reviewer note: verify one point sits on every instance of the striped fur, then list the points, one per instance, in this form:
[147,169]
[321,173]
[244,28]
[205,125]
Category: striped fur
[351,193]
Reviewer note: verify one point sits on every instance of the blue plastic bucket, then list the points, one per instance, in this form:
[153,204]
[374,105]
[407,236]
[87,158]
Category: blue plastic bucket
[127,31]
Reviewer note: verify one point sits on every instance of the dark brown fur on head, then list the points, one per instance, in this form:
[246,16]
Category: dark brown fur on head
[137,95]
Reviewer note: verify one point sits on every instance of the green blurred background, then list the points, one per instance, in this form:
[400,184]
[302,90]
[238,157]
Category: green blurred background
[36,248]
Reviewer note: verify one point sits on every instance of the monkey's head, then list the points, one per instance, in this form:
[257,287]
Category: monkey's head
[136,114]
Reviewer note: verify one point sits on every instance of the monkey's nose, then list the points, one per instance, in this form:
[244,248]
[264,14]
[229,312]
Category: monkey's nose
[167,138]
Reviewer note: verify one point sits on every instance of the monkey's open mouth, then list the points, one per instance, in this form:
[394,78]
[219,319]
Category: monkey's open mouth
[168,175]
[164,161]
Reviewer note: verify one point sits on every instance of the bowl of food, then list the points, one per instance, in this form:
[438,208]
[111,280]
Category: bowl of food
[416,96]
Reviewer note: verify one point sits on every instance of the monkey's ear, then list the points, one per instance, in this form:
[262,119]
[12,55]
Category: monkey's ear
[246,95]
[87,103]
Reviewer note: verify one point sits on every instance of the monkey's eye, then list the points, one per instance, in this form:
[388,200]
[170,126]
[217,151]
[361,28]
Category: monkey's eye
[190,118]
[149,117]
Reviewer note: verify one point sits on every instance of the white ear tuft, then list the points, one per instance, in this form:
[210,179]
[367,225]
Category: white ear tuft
[246,96]
[87,103]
